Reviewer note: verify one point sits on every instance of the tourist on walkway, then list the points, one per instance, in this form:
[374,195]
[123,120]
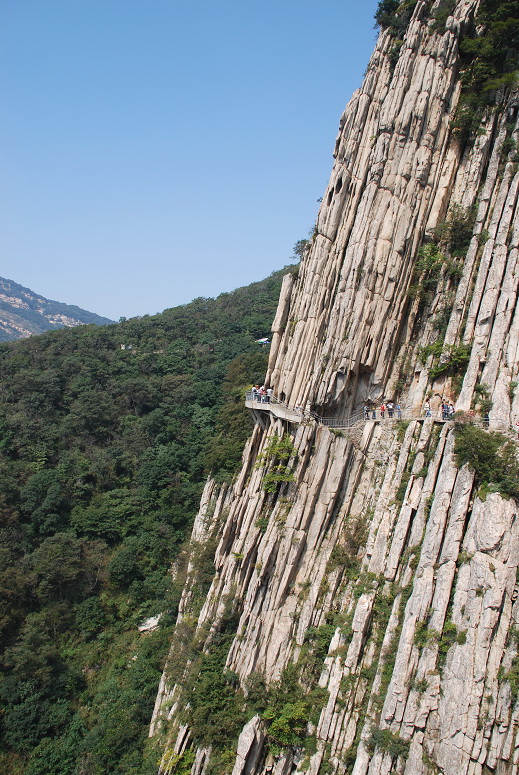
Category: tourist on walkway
[270,393]
[427,409]
[373,414]
[256,393]
[390,409]
[382,411]
[399,411]
[366,412]
[445,410]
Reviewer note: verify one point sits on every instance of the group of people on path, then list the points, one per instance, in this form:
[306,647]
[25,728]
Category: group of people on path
[445,410]
[370,413]
[261,394]
[392,410]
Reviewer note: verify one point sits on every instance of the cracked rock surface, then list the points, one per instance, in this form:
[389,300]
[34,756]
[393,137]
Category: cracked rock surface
[380,533]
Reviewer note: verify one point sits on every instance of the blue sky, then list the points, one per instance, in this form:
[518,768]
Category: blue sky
[153,151]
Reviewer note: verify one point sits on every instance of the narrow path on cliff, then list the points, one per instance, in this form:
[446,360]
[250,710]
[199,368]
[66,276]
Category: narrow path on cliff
[299,414]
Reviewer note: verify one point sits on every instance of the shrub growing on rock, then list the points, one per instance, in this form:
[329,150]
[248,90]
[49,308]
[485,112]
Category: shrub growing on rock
[491,456]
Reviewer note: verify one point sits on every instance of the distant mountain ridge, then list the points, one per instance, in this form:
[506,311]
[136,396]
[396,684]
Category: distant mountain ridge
[24,313]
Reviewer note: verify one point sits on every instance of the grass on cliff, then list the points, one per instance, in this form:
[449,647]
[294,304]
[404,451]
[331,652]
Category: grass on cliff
[275,462]
[490,55]
[491,455]
[489,52]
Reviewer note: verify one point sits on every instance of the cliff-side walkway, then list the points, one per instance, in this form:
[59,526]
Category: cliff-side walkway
[298,414]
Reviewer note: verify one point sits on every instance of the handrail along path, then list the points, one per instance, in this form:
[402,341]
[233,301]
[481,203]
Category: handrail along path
[298,414]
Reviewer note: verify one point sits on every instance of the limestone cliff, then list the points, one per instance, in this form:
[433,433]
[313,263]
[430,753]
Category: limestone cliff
[364,589]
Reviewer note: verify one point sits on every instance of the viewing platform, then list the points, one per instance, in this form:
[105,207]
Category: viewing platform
[273,405]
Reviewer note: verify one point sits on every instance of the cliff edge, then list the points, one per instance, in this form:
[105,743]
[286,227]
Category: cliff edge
[350,602]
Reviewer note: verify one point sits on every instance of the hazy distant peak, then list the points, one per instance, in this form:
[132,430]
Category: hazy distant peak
[23,313]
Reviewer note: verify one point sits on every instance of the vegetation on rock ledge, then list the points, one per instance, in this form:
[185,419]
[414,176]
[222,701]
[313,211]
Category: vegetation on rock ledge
[490,56]
[491,455]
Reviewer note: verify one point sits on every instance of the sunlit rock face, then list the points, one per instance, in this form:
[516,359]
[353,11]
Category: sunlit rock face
[377,539]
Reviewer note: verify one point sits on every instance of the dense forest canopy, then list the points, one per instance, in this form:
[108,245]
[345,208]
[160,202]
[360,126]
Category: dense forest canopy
[106,437]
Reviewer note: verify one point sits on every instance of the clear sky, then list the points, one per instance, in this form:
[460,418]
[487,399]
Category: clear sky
[153,151]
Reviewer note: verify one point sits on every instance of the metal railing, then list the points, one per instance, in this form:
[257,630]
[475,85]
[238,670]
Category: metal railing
[263,400]
[341,422]
[375,415]
[252,395]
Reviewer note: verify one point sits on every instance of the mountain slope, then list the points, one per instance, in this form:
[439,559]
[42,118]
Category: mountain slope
[106,436]
[23,313]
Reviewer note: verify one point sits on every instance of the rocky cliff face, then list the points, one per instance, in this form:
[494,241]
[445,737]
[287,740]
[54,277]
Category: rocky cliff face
[363,580]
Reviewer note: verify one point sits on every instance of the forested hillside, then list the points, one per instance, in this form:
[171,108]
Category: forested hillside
[106,437]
